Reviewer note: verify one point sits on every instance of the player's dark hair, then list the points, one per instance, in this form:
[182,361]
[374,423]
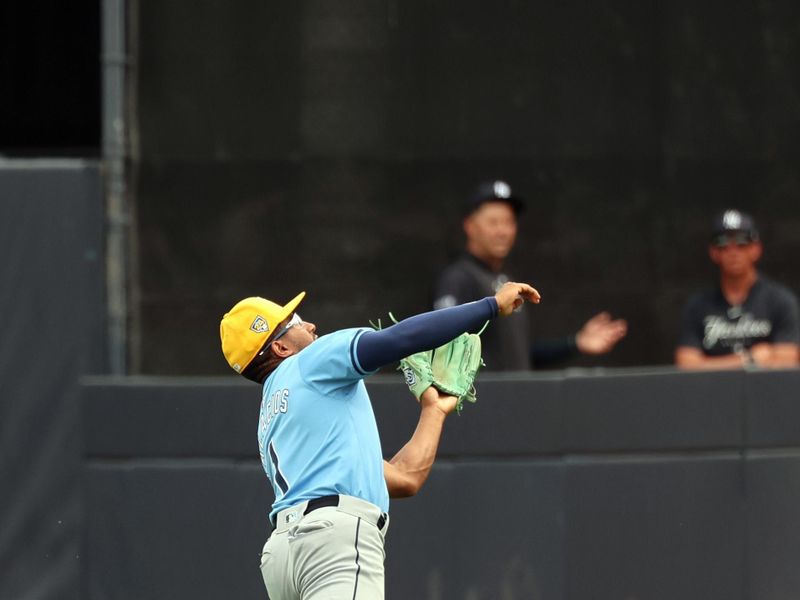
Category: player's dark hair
[264,363]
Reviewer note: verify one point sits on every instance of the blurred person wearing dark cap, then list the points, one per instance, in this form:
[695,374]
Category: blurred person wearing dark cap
[748,319]
[490,226]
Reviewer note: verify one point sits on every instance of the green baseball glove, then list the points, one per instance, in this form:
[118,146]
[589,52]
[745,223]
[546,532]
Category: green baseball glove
[417,372]
[450,368]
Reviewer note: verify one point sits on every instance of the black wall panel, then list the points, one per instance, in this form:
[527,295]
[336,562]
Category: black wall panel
[53,332]
[660,411]
[444,543]
[773,524]
[158,418]
[773,409]
[174,530]
[216,416]
[655,529]
[530,423]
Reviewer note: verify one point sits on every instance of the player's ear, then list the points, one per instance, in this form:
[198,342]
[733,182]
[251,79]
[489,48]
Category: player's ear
[280,349]
[713,253]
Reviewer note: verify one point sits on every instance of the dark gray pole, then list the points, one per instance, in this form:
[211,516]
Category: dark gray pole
[114,157]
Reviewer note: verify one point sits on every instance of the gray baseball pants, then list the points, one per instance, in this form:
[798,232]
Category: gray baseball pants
[330,553]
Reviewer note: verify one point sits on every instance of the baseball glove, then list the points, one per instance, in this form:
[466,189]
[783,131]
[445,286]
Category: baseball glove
[450,368]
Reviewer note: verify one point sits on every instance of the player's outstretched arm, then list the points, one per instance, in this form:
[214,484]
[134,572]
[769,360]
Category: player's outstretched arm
[408,470]
[428,330]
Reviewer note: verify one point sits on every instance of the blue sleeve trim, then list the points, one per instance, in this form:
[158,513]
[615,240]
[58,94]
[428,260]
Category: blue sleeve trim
[354,355]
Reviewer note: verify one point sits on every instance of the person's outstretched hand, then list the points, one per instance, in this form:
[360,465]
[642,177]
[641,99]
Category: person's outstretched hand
[600,334]
[512,295]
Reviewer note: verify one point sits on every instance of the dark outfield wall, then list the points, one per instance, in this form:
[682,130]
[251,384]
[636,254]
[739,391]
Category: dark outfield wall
[578,486]
[326,147]
[53,332]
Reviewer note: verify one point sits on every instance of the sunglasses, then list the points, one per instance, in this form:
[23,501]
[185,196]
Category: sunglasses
[295,321]
[725,239]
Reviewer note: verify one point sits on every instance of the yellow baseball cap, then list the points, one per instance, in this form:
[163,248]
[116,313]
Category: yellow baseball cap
[246,327]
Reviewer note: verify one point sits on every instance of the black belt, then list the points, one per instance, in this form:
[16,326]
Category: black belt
[334,501]
[321,503]
[318,503]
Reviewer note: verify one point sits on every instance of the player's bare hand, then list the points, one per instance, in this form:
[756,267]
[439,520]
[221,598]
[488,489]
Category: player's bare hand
[512,295]
[433,398]
[600,334]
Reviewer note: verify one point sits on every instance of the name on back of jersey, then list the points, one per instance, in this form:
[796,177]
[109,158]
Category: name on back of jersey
[276,404]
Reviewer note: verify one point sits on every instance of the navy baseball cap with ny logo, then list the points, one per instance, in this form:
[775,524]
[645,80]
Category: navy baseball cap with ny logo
[496,190]
[734,221]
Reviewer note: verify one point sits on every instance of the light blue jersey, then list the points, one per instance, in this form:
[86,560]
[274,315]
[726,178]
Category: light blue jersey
[317,434]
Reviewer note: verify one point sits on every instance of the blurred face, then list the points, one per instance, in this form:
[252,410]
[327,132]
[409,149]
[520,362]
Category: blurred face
[491,231]
[735,255]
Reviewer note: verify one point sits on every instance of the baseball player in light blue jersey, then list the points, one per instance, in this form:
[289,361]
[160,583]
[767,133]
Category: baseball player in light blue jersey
[319,441]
